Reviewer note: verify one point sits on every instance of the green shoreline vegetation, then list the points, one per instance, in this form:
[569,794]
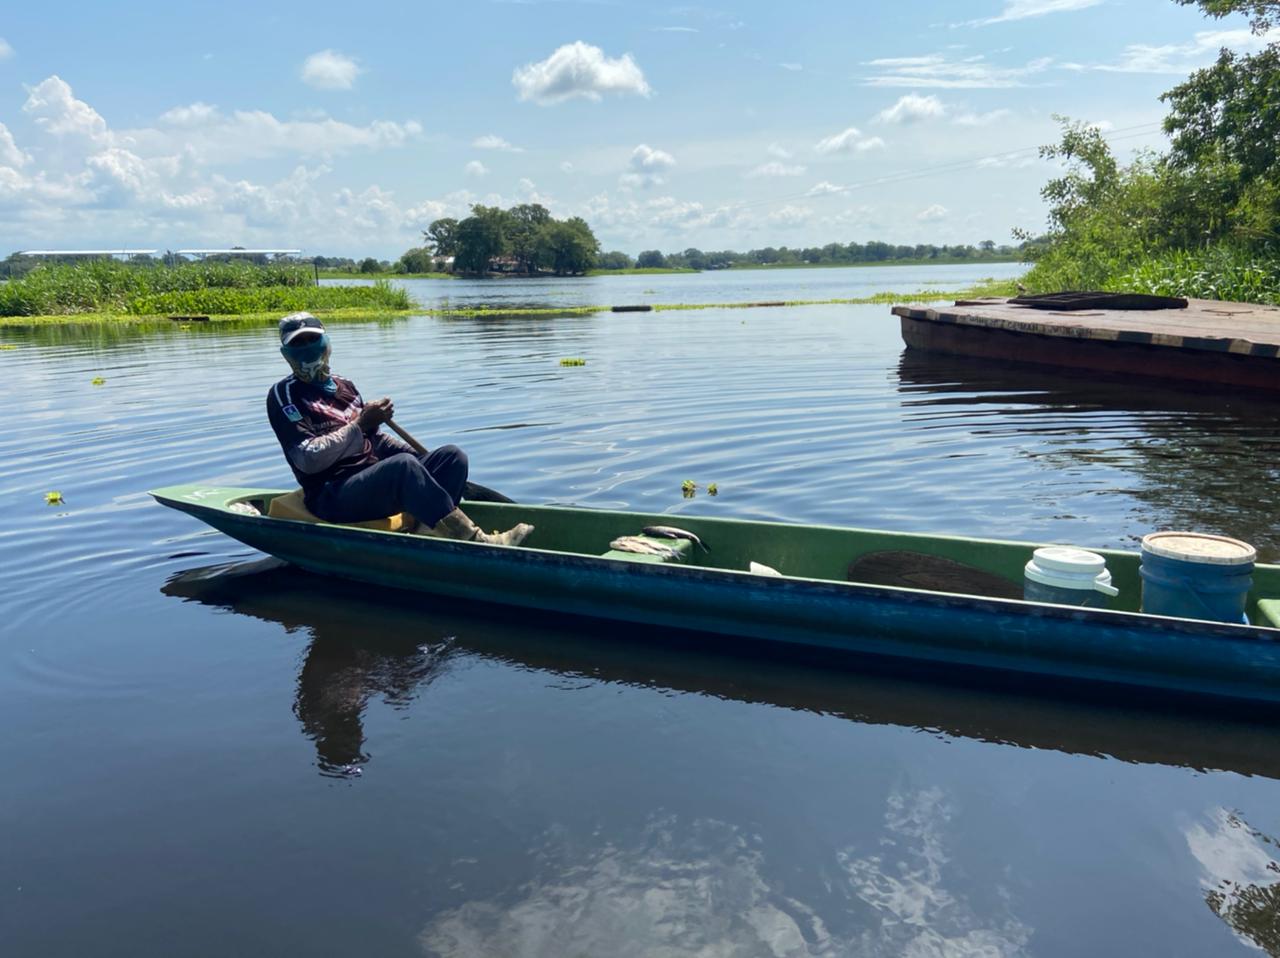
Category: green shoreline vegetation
[105,288]
[1203,219]
[361,314]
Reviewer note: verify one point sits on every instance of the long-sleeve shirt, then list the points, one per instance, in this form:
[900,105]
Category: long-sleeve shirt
[319,434]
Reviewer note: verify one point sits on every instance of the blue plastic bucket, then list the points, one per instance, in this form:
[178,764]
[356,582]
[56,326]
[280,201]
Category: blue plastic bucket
[1196,576]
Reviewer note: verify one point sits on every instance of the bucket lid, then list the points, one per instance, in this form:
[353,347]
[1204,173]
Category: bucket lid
[1199,547]
[1069,559]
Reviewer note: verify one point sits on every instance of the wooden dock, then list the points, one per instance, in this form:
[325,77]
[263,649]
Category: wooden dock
[1230,344]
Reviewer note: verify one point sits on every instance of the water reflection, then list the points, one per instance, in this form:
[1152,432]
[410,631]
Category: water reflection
[347,665]
[1164,446]
[707,887]
[1241,877]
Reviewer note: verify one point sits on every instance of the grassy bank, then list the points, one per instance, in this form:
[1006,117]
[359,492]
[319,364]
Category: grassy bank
[110,289]
[1224,272]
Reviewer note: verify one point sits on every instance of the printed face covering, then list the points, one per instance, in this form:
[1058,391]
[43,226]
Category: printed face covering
[310,363]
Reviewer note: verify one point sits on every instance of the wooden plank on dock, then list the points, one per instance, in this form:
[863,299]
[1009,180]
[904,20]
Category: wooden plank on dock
[1205,324]
[1199,342]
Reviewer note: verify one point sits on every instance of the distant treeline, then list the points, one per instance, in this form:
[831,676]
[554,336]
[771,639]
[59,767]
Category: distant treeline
[834,254]
[526,239]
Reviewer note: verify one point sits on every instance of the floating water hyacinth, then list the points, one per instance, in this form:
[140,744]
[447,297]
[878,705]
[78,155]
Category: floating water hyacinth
[573,361]
[713,489]
[688,488]
[97,381]
[53,498]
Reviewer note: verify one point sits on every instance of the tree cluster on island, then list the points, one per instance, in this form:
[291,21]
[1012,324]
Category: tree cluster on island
[524,239]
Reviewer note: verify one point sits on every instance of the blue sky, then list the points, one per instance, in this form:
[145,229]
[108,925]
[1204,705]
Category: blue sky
[345,129]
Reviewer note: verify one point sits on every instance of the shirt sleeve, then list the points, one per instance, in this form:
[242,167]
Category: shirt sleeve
[384,446]
[306,448]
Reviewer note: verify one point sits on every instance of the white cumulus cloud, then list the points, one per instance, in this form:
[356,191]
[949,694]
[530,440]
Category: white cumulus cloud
[330,70]
[824,188]
[56,110]
[475,168]
[162,184]
[912,108]
[10,155]
[849,140]
[790,216]
[647,167]
[6,51]
[578,70]
[931,214]
[492,142]
[842,142]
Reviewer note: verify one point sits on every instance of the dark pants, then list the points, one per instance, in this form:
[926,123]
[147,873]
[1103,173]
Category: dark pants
[428,487]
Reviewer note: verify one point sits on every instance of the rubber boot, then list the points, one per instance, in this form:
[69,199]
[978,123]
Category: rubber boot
[458,525]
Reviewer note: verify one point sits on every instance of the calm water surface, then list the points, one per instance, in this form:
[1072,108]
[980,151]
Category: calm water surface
[209,753]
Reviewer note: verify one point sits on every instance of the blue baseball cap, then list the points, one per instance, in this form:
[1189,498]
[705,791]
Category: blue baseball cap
[296,324]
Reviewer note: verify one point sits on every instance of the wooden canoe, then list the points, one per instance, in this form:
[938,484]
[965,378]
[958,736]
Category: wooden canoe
[945,600]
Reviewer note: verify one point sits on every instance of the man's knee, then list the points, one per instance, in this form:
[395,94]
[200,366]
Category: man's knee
[450,459]
[405,466]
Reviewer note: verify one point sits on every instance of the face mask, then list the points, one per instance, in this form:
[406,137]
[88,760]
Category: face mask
[310,363]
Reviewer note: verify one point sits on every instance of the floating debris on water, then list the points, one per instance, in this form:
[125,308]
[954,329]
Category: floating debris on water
[53,498]
[713,489]
[573,361]
[97,381]
[688,488]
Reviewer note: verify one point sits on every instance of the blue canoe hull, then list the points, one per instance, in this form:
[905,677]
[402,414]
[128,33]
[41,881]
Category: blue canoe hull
[1235,662]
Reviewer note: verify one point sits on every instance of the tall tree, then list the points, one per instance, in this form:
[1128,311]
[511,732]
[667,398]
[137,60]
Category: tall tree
[568,246]
[523,227]
[441,237]
[480,239]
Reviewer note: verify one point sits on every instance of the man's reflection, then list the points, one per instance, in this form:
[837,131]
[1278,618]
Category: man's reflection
[337,679]
[344,666]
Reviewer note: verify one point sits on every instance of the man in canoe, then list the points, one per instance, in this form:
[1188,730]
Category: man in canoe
[348,470]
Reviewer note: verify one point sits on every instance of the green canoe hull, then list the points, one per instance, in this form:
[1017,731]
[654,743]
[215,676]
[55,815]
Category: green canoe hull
[563,569]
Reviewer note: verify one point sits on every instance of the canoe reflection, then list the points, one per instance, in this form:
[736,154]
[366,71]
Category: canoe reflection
[393,645]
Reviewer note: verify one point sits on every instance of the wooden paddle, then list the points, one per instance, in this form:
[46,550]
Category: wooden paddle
[473,490]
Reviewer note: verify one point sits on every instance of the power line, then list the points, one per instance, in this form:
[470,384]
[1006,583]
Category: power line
[1123,133]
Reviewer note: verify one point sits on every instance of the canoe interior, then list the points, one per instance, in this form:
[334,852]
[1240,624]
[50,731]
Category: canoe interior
[809,552]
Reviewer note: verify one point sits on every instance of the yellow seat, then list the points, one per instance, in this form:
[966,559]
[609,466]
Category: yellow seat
[292,506]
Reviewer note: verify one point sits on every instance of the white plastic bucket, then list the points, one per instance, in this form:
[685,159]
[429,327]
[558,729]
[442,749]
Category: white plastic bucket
[1068,576]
